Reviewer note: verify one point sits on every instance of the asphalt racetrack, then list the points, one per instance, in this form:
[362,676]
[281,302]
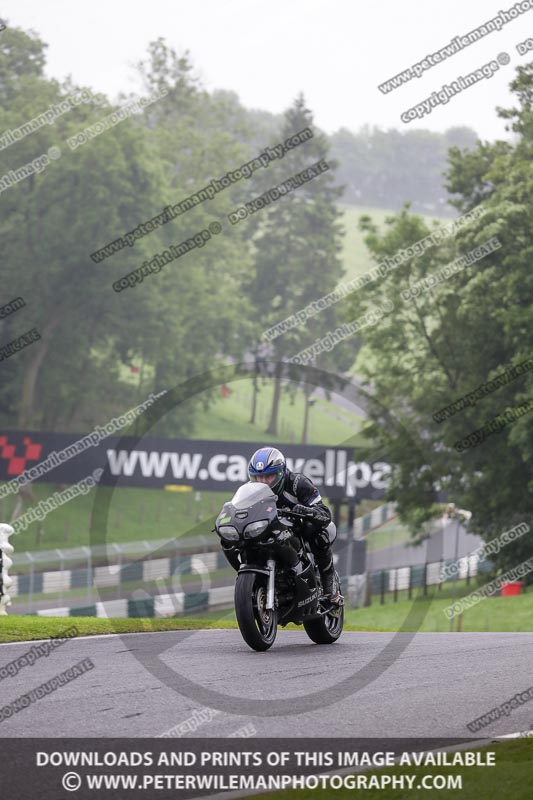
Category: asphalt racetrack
[365,685]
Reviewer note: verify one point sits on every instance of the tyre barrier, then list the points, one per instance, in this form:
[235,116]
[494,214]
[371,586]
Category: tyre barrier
[6,550]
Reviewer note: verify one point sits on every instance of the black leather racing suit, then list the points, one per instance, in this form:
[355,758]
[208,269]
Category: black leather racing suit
[298,489]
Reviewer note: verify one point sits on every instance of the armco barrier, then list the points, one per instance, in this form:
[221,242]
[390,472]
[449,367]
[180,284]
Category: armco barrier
[162,605]
[6,563]
[377,517]
[382,582]
[113,575]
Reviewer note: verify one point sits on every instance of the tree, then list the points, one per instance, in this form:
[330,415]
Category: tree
[296,243]
[473,326]
[386,168]
[52,221]
[200,314]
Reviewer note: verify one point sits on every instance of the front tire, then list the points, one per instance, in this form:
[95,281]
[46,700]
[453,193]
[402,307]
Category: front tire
[258,626]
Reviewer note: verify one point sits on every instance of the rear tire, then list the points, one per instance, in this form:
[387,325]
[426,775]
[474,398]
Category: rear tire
[325,630]
[258,626]
[328,628]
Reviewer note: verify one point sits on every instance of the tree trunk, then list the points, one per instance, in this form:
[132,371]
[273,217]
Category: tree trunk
[307,391]
[254,395]
[81,387]
[273,424]
[25,495]
[27,399]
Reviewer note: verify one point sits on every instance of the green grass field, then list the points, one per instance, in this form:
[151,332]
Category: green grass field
[390,534]
[135,514]
[510,778]
[227,419]
[355,255]
[491,614]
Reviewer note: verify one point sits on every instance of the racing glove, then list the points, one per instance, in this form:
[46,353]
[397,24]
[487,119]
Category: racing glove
[313,513]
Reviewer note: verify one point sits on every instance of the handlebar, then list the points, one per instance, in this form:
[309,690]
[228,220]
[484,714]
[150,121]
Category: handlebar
[295,514]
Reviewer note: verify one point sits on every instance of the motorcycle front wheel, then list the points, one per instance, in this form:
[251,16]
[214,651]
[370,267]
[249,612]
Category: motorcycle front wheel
[258,626]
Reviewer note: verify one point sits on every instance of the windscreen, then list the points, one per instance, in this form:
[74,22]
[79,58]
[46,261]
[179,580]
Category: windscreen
[250,493]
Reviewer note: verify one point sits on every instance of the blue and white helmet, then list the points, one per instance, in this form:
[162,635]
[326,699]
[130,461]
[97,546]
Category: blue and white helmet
[268,465]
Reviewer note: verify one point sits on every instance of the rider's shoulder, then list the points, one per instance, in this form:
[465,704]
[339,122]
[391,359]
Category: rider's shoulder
[301,484]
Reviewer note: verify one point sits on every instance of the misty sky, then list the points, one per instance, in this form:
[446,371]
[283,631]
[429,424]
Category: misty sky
[335,51]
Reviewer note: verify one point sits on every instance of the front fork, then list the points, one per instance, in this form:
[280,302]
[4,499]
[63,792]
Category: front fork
[271,566]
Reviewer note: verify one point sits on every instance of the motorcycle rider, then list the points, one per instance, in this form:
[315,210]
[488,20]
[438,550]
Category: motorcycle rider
[296,492]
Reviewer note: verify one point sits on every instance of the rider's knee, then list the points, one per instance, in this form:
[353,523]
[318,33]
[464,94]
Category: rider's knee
[321,541]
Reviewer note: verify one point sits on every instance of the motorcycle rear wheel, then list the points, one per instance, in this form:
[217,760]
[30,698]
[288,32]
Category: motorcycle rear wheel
[328,628]
[258,626]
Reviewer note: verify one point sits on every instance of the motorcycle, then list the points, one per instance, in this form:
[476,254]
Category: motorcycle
[277,578]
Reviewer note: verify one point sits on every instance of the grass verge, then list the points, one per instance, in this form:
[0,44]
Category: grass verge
[490,614]
[510,777]
[25,628]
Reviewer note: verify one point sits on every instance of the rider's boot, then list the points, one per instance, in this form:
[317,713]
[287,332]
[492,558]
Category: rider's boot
[330,588]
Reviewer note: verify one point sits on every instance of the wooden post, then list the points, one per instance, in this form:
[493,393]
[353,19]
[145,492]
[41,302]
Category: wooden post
[368,598]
